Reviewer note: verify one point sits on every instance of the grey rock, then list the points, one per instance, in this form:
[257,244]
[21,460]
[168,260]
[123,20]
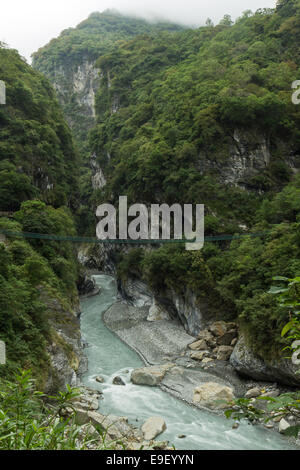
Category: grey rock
[283,425]
[224,353]
[251,365]
[118,381]
[211,395]
[153,427]
[253,393]
[100,379]
[150,376]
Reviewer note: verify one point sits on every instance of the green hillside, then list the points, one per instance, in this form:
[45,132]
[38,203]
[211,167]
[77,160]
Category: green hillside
[178,114]
[38,183]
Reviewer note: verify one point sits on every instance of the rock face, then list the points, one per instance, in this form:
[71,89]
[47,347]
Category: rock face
[87,286]
[193,315]
[67,359]
[153,427]
[211,393]
[250,365]
[249,153]
[150,376]
[157,312]
[79,82]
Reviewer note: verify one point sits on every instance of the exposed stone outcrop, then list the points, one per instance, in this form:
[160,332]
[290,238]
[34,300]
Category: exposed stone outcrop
[248,154]
[65,350]
[251,365]
[79,82]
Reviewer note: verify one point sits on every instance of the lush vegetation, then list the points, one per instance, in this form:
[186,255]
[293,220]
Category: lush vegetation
[38,183]
[37,156]
[31,274]
[171,108]
[31,420]
[63,57]
[92,38]
[287,404]
[174,109]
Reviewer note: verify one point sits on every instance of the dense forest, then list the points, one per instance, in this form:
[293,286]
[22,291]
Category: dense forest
[182,115]
[174,112]
[163,114]
[38,184]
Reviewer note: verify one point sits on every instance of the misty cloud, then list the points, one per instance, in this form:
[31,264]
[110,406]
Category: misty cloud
[28,25]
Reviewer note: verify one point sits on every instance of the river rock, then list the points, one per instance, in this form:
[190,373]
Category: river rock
[153,427]
[224,353]
[200,345]
[210,393]
[218,328]
[253,393]
[118,381]
[150,376]
[251,365]
[116,427]
[100,379]
[283,425]
[209,338]
[199,355]
[227,338]
[207,360]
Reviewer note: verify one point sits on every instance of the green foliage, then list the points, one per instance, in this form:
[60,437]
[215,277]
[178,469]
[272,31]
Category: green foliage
[168,108]
[37,156]
[30,420]
[289,299]
[287,404]
[26,270]
[92,38]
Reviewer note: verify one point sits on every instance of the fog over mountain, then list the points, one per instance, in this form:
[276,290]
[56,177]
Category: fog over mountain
[28,25]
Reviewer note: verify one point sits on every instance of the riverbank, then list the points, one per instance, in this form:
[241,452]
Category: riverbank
[187,427]
[165,348]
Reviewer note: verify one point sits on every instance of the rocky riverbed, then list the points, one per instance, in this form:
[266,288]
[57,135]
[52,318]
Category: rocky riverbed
[196,370]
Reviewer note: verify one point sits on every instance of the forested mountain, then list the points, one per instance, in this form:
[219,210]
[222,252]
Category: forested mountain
[38,184]
[69,62]
[206,116]
[191,116]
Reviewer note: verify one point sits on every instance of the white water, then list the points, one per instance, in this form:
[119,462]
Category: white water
[108,356]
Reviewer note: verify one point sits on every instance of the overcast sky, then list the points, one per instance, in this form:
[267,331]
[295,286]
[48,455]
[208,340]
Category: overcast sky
[27,25]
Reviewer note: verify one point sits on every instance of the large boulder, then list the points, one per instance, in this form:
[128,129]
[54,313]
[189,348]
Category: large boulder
[153,427]
[150,376]
[211,395]
[251,365]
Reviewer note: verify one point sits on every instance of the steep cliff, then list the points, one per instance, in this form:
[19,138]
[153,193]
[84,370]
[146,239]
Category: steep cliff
[206,116]
[69,62]
[196,116]
[38,186]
